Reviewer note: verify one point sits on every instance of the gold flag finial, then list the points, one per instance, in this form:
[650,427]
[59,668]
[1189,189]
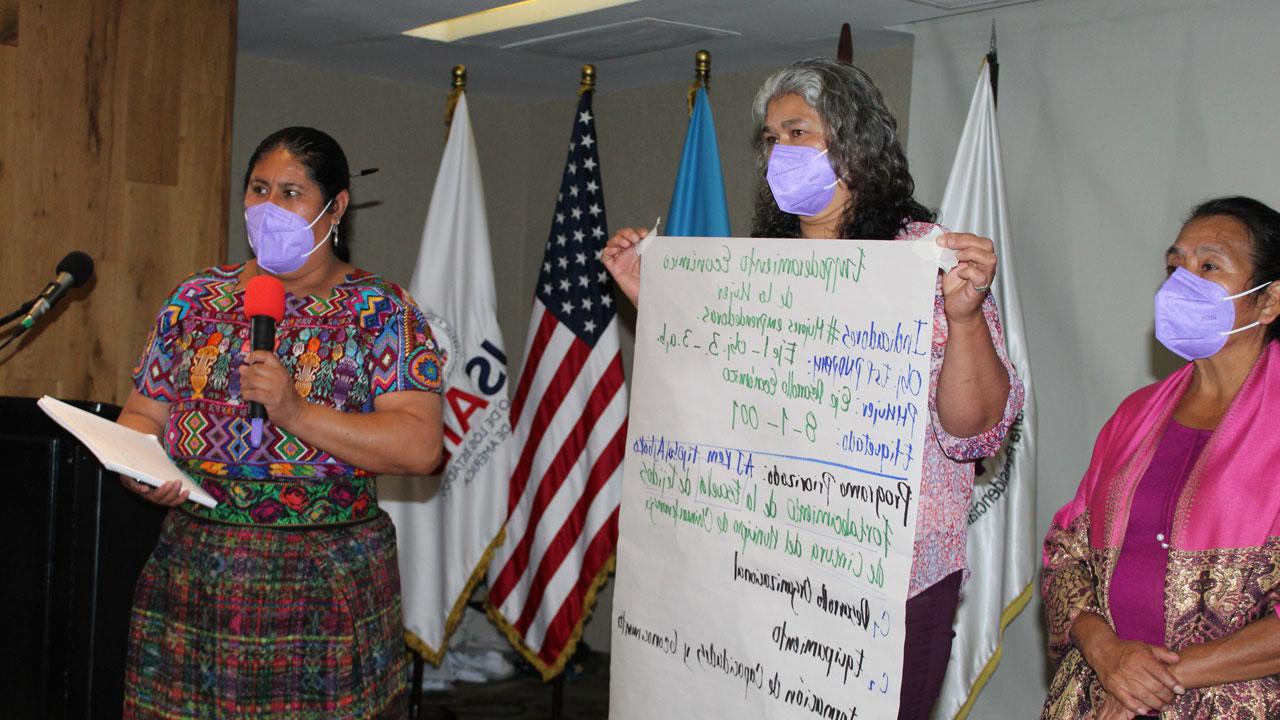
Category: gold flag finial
[459,85]
[702,65]
[588,79]
[701,75]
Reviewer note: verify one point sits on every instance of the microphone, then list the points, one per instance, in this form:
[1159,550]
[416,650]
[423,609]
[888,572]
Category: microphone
[264,306]
[74,270]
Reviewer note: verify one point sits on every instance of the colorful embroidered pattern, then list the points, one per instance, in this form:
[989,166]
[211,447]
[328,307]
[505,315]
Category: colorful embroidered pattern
[1208,595]
[1069,584]
[337,501]
[248,622]
[366,339]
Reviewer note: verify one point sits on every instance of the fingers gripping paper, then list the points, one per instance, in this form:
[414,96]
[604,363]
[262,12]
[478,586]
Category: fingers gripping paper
[772,471]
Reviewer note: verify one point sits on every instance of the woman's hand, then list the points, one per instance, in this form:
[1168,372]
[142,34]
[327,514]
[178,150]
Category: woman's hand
[973,383]
[149,416]
[264,380]
[169,494]
[1136,674]
[1112,710]
[622,262]
[966,285]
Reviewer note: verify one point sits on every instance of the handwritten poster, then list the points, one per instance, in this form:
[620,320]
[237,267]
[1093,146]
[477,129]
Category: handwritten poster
[780,397]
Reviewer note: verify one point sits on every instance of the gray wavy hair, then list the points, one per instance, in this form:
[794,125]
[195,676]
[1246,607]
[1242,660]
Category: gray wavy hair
[862,143]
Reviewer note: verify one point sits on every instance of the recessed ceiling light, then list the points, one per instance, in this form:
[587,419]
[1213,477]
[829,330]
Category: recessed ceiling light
[505,17]
[958,5]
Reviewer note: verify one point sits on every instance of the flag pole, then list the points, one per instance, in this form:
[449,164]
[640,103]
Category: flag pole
[570,404]
[701,75]
[999,530]
[459,85]
[587,85]
[995,67]
[844,48]
[412,642]
[698,207]
[448,538]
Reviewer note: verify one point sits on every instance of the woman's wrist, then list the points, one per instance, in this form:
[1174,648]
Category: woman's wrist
[294,417]
[1186,670]
[972,321]
[1091,633]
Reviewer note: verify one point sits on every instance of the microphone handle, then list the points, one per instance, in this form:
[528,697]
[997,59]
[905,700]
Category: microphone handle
[263,338]
[56,289]
[25,307]
[45,301]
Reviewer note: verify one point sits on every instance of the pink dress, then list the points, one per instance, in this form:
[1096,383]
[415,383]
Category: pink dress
[1137,587]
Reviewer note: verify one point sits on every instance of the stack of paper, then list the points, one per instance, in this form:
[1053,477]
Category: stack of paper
[121,449]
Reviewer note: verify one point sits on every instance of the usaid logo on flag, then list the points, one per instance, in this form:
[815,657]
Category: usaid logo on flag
[477,411]
[445,531]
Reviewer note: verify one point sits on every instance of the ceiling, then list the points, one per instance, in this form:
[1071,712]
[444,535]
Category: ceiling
[648,42]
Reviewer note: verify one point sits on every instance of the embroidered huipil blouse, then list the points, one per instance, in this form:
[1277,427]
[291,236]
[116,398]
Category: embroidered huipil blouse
[946,477]
[367,338]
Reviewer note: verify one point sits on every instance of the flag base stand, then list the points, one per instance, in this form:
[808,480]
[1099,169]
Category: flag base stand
[415,692]
[557,697]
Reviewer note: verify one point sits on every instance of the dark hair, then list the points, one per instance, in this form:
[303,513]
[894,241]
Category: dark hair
[862,140]
[1263,224]
[320,154]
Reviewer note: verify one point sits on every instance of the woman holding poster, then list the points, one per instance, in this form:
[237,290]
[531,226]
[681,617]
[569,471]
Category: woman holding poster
[831,166]
[1162,576]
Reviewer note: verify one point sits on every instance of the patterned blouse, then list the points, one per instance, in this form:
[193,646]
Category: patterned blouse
[946,478]
[367,338]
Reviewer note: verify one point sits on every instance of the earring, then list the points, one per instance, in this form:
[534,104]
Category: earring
[335,237]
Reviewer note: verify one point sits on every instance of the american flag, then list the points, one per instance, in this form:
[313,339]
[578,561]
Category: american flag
[570,418]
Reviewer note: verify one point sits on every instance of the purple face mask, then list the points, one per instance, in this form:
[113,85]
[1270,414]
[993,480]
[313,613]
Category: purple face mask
[1195,316]
[281,240]
[801,179]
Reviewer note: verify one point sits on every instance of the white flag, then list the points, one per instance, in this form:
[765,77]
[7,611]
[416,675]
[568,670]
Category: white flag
[1002,537]
[445,525]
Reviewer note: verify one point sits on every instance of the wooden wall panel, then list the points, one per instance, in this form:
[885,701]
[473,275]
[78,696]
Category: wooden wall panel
[154,81]
[9,22]
[121,131]
[57,183]
[8,119]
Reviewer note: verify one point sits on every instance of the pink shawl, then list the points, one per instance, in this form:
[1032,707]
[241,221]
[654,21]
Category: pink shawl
[1232,497]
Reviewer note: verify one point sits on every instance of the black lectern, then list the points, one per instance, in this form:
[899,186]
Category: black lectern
[72,542]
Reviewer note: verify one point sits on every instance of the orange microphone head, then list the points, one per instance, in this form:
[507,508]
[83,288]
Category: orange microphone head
[264,295]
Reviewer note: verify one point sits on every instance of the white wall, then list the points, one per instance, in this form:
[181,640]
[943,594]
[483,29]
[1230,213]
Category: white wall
[1116,116]
[399,128]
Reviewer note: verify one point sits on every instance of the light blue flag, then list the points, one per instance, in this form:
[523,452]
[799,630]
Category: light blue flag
[698,208]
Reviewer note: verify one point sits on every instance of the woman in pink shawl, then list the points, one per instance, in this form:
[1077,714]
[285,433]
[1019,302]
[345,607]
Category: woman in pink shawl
[1162,576]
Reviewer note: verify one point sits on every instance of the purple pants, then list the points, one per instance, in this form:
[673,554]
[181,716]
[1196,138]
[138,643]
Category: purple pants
[927,648]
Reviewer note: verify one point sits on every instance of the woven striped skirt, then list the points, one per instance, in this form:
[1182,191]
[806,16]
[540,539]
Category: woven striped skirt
[246,622]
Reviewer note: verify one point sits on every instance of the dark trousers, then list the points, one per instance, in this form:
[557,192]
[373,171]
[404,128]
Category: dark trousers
[927,648]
